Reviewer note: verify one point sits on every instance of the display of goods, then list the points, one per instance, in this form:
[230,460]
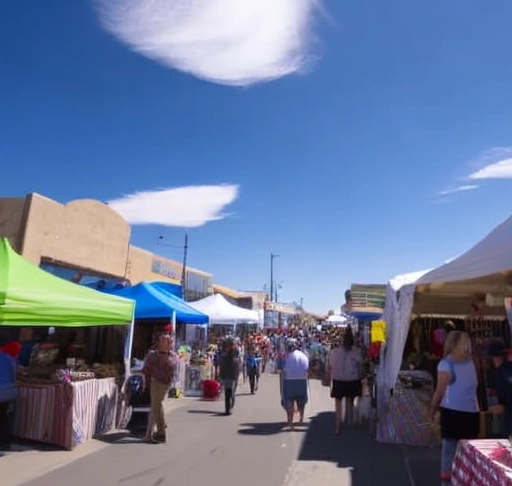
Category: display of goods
[106,370]
[68,376]
[44,354]
[198,362]
[63,375]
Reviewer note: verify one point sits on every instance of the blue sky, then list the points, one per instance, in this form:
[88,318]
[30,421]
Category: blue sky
[327,132]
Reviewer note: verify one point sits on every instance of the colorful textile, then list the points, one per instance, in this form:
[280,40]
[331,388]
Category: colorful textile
[378,331]
[406,420]
[94,408]
[437,338]
[481,462]
[43,413]
[65,415]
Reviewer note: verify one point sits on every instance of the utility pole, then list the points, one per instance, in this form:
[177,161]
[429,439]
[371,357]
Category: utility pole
[184,269]
[272,296]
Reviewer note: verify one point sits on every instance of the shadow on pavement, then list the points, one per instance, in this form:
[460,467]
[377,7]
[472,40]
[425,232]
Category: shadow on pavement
[355,449]
[212,413]
[21,445]
[121,437]
[258,428]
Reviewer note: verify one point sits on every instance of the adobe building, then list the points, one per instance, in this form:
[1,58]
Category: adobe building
[87,238]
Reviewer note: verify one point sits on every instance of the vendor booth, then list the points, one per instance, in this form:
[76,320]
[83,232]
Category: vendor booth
[64,398]
[467,293]
[155,306]
[225,318]
[337,320]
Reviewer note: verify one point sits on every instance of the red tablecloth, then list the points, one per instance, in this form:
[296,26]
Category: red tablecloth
[474,466]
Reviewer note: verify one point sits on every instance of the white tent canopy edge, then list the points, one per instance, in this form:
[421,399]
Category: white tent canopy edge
[220,311]
[486,267]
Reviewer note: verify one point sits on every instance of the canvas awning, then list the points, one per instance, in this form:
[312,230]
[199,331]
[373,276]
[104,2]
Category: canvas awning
[153,302]
[30,296]
[220,311]
[481,276]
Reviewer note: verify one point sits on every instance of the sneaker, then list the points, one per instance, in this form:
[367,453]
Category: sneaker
[159,438]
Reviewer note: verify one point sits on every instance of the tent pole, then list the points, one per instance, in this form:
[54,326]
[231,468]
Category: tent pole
[128,347]
[174,327]
[128,354]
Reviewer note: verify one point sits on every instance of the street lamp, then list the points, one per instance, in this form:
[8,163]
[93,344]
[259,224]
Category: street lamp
[272,256]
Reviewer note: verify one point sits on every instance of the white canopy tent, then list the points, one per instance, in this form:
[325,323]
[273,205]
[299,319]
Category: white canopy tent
[399,293]
[220,311]
[481,277]
[337,320]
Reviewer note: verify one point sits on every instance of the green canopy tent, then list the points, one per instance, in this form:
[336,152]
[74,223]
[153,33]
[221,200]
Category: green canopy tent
[30,296]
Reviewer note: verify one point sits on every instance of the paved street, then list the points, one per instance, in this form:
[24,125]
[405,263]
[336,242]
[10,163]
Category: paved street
[248,447]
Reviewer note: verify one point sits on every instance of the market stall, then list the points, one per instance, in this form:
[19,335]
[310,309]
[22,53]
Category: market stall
[155,306]
[63,399]
[467,293]
[225,318]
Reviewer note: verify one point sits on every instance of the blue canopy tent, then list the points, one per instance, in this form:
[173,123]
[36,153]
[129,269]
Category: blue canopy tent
[364,316]
[171,288]
[152,301]
[108,286]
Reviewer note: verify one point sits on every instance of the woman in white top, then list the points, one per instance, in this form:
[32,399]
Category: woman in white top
[344,368]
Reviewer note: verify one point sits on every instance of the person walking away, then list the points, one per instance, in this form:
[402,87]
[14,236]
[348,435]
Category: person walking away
[456,398]
[344,365]
[158,372]
[241,351]
[253,367]
[294,383]
[8,392]
[229,372]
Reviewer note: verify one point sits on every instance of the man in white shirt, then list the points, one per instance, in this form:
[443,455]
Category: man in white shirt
[294,382]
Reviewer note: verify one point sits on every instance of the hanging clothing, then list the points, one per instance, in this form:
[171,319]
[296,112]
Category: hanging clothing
[378,331]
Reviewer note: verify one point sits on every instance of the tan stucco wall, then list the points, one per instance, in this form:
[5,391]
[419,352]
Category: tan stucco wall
[86,234]
[83,233]
[11,218]
[141,265]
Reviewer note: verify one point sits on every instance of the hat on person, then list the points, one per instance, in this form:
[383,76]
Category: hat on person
[12,348]
[496,349]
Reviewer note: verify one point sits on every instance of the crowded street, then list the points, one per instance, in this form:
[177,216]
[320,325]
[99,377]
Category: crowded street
[248,447]
[255,242]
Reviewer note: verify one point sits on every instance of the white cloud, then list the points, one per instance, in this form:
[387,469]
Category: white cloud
[495,163]
[230,42]
[468,187]
[498,170]
[187,207]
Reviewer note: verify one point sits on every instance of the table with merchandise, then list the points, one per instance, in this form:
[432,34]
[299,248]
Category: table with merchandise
[483,463]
